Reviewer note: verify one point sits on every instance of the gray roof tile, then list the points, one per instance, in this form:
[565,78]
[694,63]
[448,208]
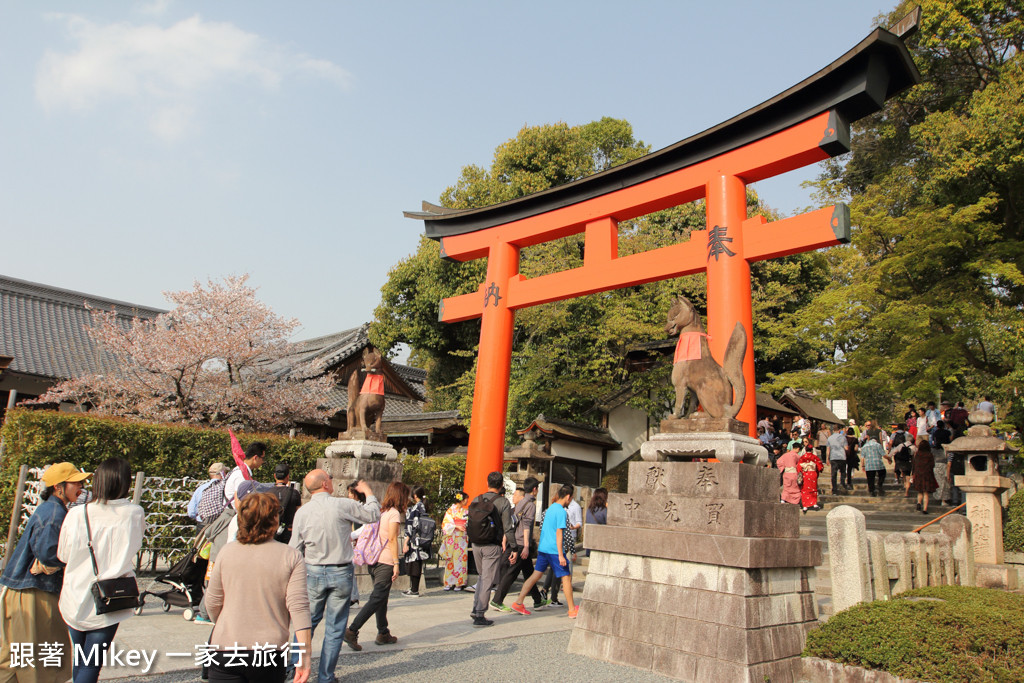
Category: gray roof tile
[44,328]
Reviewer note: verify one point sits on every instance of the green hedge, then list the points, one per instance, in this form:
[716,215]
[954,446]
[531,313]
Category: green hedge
[36,438]
[966,634]
[1013,530]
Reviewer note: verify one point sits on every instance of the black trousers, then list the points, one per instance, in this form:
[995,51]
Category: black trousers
[876,476]
[377,604]
[415,570]
[509,572]
[229,668]
[838,468]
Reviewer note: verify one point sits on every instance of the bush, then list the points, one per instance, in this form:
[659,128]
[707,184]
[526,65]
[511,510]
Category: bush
[1013,530]
[441,476]
[37,438]
[967,634]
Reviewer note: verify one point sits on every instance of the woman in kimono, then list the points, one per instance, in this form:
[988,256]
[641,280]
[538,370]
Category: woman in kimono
[455,544]
[787,464]
[809,465]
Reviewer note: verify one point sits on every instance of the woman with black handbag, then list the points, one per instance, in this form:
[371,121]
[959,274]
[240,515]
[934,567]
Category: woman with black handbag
[98,543]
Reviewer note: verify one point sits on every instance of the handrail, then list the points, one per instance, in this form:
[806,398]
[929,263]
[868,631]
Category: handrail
[938,518]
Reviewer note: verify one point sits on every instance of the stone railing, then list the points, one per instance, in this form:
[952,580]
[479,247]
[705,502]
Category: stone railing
[868,565]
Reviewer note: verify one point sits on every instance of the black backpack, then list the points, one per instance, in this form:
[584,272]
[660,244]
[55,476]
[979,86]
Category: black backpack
[482,525]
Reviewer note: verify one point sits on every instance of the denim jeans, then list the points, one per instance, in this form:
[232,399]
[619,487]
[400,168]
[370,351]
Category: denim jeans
[330,591]
[91,644]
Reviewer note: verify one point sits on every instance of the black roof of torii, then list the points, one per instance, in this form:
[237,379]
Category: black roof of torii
[853,86]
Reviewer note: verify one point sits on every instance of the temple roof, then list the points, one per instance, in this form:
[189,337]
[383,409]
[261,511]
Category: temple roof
[856,84]
[43,328]
[572,431]
[809,406]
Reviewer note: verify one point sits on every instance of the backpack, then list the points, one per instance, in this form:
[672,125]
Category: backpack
[369,546]
[482,524]
[211,503]
[424,538]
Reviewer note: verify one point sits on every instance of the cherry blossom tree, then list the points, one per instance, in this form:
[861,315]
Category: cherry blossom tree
[218,357]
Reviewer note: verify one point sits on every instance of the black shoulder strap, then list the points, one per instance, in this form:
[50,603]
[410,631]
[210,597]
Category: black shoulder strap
[88,535]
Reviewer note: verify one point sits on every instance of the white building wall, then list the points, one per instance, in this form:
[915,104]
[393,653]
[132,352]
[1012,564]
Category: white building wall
[628,426]
[576,451]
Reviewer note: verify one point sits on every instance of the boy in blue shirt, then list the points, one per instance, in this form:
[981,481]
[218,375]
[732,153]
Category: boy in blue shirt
[550,554]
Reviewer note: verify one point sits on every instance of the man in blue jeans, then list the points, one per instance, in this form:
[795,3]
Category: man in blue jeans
[321,531]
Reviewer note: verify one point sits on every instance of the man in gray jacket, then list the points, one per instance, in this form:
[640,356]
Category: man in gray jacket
[490,555]
[837,457]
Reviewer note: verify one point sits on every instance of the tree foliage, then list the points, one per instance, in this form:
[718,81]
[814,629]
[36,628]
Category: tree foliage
[215,358]
[568,355]
[927,299]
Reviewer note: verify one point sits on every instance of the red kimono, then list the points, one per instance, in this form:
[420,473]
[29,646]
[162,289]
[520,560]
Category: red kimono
[809,465]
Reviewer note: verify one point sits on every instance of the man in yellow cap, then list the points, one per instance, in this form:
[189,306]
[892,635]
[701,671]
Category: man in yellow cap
[31,583]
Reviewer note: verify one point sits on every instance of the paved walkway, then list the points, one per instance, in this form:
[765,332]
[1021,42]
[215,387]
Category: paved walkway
[436,619]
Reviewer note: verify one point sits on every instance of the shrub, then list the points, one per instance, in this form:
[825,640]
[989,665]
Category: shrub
[967,634]
[1013,530]
[441,476]
[36,438]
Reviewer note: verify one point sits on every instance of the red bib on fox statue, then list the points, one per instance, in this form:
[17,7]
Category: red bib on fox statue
[373,384]
[688,346]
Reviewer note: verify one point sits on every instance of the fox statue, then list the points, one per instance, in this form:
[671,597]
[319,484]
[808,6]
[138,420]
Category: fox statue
[720,389]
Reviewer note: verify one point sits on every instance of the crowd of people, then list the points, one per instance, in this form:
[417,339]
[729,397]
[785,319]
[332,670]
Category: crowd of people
[911,449]
[274,569]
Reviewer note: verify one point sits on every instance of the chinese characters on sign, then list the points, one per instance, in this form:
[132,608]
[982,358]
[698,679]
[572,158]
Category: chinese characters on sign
[494,291]
[706,479]
[716,242]
[655,477]
[671,511]
[632,506]
[714,510]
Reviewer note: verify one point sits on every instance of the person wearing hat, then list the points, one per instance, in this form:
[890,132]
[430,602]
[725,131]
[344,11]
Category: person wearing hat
[217,472]
[32,580]
[289,498]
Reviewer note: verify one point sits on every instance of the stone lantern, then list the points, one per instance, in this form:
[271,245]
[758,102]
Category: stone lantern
[983,486]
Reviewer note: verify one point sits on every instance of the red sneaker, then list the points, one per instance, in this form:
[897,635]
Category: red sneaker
[521,608]
[573,612]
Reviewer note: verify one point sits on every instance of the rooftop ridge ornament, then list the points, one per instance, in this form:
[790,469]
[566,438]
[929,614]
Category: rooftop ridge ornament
[807,123]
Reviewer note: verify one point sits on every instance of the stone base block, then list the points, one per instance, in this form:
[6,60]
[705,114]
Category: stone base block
[377,473]
[361,448]
[732,480]
[728,551]
[723,446]
[997,576]
[695,621]
[720,516]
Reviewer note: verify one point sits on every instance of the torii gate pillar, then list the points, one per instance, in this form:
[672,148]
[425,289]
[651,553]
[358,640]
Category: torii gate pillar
[729,295]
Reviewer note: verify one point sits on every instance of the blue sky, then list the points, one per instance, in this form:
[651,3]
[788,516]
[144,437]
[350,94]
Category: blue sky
[146,145]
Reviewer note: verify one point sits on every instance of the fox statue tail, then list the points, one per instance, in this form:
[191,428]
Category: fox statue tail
[733,368]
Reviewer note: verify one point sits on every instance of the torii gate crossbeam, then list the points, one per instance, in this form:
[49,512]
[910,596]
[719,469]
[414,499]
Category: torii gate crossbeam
[807,123]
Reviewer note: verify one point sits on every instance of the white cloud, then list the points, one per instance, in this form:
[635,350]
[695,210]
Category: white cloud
[165,71]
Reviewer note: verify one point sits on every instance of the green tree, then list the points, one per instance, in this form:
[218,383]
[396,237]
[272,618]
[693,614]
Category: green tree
[928,296]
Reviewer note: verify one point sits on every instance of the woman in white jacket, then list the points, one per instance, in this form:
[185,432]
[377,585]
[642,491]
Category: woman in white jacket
[116,527]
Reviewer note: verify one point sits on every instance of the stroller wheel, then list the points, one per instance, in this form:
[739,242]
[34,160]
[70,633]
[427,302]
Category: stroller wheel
[188,614]
[137,610]
[167,607]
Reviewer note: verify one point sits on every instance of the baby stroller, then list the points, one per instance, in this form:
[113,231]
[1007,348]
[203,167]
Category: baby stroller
[185,579]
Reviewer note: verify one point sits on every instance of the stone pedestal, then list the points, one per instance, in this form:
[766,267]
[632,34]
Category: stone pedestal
[361,448]
[983,488]
[700,574]
[699,437]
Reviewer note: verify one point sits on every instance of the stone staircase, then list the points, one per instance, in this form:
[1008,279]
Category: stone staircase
[885,514]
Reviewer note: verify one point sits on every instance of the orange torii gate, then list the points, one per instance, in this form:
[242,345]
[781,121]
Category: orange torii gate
[805,124]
